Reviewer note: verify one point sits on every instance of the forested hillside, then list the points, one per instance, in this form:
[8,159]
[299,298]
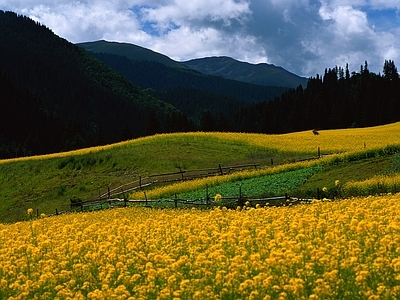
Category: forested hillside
[185,88]
[55,96]
[188,90]
[157,76]
[337,99]
[148,69]
[130,51]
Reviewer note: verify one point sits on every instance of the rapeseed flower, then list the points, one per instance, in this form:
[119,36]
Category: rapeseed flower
[328,250]
[218,198]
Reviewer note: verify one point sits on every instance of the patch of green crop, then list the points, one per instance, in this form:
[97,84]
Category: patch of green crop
[268,185]
[344,172]
[394,166]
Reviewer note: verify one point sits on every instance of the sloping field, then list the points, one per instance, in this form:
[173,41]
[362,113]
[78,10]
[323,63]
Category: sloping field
[330,141]
[47,183]
[345,249]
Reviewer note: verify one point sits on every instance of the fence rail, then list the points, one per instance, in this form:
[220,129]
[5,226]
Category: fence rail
[181,175]
[112,195]
[230,202]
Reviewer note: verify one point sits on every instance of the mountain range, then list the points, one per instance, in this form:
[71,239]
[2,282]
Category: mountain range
[226,67]
[262,74]
[189,90]
[58,96]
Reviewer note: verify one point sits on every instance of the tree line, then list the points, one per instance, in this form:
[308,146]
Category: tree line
[337,99]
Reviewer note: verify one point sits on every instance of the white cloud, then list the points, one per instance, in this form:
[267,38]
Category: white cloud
[184,44]
[347,20]
[373,4]
[352,39]
[182,10]
[80,21]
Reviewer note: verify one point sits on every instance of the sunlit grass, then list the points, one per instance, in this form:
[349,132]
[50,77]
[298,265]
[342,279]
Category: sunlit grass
[330,141]
[48,182]
[325,162]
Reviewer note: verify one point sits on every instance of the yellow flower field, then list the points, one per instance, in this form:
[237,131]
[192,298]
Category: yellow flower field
[329,141]
[373,186]
[348,249]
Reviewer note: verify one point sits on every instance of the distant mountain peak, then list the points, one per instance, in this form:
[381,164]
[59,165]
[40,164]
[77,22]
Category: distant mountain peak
[131,51]
[261,73]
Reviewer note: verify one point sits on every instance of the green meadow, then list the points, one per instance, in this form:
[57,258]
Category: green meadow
[47,183]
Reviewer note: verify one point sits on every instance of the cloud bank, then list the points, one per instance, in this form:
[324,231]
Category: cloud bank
[302,36]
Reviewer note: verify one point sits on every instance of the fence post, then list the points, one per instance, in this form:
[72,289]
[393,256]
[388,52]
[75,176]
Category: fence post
[319,152]
[207,196]
[176,201]
[123,193]
[180,170]
[220,169]
[145,196]
[140,181]
[272,161]
[56,212]
[240,200]
[37,213]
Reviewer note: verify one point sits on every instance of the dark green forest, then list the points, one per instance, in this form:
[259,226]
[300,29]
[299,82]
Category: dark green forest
[190,91]
[337,99]
[155,75]
[56,96]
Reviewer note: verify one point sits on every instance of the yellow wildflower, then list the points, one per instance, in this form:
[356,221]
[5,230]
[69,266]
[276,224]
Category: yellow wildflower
[218,198]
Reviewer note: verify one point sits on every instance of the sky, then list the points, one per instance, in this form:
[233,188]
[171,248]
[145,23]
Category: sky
[302,36]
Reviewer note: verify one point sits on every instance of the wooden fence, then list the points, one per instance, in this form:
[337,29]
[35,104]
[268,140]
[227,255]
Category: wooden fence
[112,197]
[207,202]
[181,175]
[229,202]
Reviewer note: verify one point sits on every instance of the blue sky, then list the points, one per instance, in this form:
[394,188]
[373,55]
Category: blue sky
[302,36]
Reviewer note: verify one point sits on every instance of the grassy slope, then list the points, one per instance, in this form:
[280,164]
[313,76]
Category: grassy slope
[356,171]
[48,182]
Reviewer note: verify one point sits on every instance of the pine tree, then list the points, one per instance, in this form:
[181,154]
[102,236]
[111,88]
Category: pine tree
[390,70]
[207,122]
[152,124]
